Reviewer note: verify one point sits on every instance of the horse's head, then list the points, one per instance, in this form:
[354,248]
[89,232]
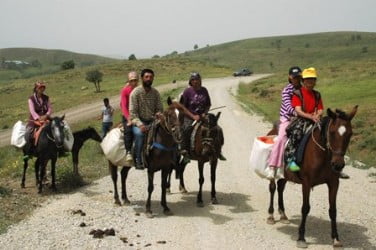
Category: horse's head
[169,119]
[339,132]
[213,119]
[57,130]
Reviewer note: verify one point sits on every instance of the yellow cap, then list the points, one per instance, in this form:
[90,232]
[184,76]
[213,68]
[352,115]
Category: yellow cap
[309,73]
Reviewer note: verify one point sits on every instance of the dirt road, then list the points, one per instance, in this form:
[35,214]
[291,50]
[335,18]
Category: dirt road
[237,222]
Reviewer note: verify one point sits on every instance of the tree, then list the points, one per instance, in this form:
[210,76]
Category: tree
[132,57]
[95,76]
[195,47]
[68,65]
[156,56]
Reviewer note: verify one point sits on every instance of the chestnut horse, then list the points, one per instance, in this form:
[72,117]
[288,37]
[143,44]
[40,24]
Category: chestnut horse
[323,160]
[161,156]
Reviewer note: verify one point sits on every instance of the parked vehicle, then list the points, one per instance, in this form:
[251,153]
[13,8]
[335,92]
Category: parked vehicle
[242,72]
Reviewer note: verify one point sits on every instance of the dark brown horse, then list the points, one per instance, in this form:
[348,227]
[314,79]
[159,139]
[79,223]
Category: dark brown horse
[208,142]
[323,160]
[160,156]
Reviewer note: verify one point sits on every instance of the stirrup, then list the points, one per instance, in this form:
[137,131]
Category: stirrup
[221,157]
[293,166]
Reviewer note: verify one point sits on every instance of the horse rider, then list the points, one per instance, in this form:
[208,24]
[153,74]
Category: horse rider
[145,105]
[40,110]
[286,112]
[197,100]
[125,94]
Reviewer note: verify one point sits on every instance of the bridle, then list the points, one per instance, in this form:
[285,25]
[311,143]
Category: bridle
[52,137]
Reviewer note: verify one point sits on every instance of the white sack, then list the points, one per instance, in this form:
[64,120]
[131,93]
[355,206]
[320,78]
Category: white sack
[113,147]
[260,155]
[68,137]
[18,135]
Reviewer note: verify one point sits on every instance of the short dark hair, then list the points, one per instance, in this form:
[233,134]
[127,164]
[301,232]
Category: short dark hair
[106,100]
[144,71]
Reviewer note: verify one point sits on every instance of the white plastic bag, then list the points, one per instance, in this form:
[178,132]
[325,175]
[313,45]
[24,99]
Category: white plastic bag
[68,137]
[262,146]
[18,135]
[113,147]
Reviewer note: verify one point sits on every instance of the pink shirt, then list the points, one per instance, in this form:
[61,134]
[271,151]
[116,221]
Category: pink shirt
[32,109]
[124,100]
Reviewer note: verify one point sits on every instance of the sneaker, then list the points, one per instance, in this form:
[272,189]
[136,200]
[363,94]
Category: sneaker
[270,173]
[293,166]
[185,161]
[129,159]
[279,174]
[343,175]
[221,157]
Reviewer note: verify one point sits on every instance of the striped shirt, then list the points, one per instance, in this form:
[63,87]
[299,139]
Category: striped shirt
[144,105]
[287,110]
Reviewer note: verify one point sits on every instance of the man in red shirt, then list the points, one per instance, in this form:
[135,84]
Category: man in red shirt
[124,106]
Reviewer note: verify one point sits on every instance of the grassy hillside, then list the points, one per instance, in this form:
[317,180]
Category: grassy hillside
[69,88]
[43,61]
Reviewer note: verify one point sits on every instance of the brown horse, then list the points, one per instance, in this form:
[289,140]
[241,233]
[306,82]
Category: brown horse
[160,156]
[208,142]
[323,160]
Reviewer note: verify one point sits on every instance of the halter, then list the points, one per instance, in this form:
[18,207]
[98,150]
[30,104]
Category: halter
[53,137]
[328,145]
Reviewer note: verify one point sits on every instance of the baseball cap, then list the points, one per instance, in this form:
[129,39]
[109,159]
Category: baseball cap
[309,73]
[295,71]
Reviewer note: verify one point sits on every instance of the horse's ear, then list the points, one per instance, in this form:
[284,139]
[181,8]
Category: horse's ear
[353,112]
[62,118]
[331,114]
[181,99]
[169,101]
[217,116]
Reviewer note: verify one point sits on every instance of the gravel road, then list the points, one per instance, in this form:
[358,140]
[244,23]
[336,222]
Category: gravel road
[237,222]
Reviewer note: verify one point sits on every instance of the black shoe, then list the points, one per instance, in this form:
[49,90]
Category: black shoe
[139,166]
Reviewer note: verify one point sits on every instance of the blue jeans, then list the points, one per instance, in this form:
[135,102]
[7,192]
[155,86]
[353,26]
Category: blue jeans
[106,126]
[138,143]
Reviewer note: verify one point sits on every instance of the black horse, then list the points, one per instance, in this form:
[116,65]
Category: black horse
[79,139]
[50,141]
[208,142]
[161,156]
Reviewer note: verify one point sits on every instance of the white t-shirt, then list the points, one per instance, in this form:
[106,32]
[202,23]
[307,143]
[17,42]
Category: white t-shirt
[106,111]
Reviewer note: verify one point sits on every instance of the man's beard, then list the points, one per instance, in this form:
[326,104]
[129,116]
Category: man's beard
[147,84]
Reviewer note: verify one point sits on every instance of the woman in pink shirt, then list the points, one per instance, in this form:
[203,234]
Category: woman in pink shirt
[124,106]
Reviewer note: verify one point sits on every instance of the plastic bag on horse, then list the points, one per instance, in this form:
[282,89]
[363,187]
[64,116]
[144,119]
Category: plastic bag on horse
[262,146]
[18,135]
[113,147]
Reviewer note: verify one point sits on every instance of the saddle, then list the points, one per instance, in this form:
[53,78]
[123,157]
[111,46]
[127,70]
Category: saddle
[39,125]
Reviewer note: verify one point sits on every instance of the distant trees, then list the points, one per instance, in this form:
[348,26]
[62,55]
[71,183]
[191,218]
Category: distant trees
[68,65]
[156,57]
[195,47]
[95,77]
[132,57]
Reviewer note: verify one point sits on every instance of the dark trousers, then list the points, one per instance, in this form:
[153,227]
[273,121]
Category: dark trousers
[128,135]
[106,126]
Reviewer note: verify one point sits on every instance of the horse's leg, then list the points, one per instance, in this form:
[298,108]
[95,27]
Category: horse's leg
[53,173]
[201,180]
[42,172]
[333,188]
[213,169]
[306,187]
[24,173]
[182,188]
[36,170]
[75,161]
[149,213]
[281,206]
[270,220]
[113,170]
[168,184]
[124,175]
[164,176]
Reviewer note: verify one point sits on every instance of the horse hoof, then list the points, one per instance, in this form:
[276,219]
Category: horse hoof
[126,202]
[200,204]
[168,212]
[22,185]
[117,202]
[301,244]
[337,243]
[270,220]
[168,190]
[214,201]
[149,214]
[284,220]
[183,190]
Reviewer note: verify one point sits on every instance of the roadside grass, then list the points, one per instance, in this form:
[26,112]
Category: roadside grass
[69,88]
[353,83]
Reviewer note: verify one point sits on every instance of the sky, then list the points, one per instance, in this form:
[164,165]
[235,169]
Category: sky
[146,28]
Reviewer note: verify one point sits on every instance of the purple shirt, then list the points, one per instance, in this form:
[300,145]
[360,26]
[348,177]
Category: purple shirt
[287,111]
[197,102]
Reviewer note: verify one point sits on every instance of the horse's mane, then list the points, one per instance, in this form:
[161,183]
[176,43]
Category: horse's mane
[341,114]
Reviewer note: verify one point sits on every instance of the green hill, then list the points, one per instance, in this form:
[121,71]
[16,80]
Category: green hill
[33,62]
